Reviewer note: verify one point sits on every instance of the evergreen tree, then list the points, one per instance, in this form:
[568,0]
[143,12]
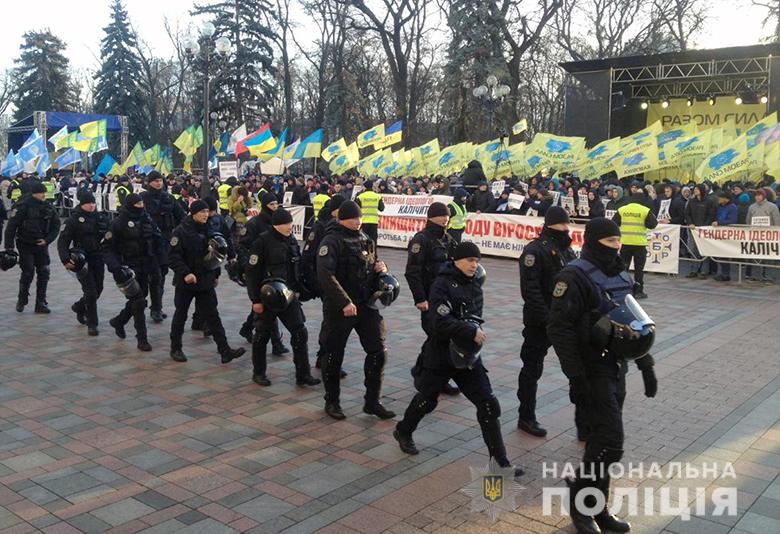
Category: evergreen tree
[41,75]
[117,91]
[243,86]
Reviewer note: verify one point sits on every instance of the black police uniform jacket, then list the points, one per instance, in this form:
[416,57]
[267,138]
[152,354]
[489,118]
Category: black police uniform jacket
[132,240]
[428,251]
[345,268]
[452,298]
[84,230]
[541,261]
[325,224]
[164,210]
[30,221]
[254,227]
[189,245]
[273,255]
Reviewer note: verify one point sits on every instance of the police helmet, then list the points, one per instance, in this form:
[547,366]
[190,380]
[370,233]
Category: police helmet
[8,258]
[481,275]
[464,356]
[78,258]
[626,331]
[235,270]
[126,282]
[218,249]
[275,295]
[386,290]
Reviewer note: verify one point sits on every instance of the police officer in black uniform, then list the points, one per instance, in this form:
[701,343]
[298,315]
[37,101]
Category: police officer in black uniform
[327,220]
[33,226]
[193,262]
[454,327]
[275,254]
[133,241]
[83,230]
[585,291]
[347,270]
[166,214]
[428,251]
[254,227]
[541,261]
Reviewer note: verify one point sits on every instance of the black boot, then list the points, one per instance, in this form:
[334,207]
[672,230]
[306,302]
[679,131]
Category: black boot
[333,409]
[118,327]
[228,355]
[177,355]
[24,294]
[405,442]
[40,295]
[504,463]
[491,433]
[584,524]
[157,316]
[307,380]
[261,380]
[611,523]
[79,311]
[206,331]
[531,427]
[92,330]
[143,345]
[279,349]
[376,408]
[41,307]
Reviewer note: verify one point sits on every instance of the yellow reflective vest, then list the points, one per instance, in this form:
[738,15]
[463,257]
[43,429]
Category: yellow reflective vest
[16,192]
[121,192]
[49,190]
[369,205]
[224,193]
[318,202]
[632,224]
[457,221]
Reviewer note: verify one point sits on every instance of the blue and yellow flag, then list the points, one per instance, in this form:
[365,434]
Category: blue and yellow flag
[393,135]
[731,160]
[371,136]
[311,146]
[561,153]
[94,129]
[519,127]
[334,149]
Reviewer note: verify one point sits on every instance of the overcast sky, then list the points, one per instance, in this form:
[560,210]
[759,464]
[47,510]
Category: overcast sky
[80,24]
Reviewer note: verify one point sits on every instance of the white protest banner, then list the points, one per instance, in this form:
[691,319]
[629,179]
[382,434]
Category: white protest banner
[568,204]
[515,201]
[287,201]
[506,236]
[497,187]
[411,205]
[228,169]
[740,242]
[663,210]
[583,208]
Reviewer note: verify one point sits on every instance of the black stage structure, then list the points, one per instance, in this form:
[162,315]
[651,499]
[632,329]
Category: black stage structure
[603,97]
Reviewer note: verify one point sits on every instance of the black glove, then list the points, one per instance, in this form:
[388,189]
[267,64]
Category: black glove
[651,383]
[579,390]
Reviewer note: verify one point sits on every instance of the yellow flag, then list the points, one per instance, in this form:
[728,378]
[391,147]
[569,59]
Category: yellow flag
[371,136]
[428,150]
[561,153]
[763,124]
[334,149]
[643,138]
[727,162]
[639,160]
[519,127]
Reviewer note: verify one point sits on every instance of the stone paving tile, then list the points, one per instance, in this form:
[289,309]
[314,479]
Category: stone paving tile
[95,436]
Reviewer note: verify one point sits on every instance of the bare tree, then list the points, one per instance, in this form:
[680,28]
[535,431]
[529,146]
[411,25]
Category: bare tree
[6,91]
[682,19]
[773,15]
[280,21]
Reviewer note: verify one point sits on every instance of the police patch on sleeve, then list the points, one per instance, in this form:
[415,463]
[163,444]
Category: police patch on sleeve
[174,241]
[323,250]
[560,289]
[415,248]
[108,235]
[253,259]
[530,259]
[81,219]
[443,309]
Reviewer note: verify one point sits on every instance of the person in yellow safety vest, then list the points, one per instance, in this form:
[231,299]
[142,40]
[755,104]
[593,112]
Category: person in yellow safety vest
[634,220]
[50,190]
[458,214]
[320,199]
[224,194]
[122,191]
[15,191]
[371,204]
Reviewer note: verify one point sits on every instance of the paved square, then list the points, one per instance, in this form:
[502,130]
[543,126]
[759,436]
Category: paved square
[96,436]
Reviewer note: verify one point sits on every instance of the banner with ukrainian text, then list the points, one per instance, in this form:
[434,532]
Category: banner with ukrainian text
[741,242]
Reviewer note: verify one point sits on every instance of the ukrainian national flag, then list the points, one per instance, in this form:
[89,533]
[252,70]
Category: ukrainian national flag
[311,147]
[371,136]
[257,142]
[278,150]
[393,135]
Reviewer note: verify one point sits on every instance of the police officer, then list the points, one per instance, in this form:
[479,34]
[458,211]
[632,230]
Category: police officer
[371,204]
[122,190]
[347,269]
[428,251]
[327,221]
[541,261]
[83,230]
[133,241]
[224,194]
[194,257]
[14,191]
[634,219]
[275,255]
[166,213]
[33,226]
[458,214]
[585,291]
[454,327]
[320,199]
[254,227]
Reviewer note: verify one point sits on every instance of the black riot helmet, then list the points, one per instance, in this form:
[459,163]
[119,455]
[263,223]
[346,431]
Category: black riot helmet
[236,269]
[218,249]
[480,276]
[464,356]
[275,295]
[78,258]
[386,290]
[626,331]
[8,258]
[126,282]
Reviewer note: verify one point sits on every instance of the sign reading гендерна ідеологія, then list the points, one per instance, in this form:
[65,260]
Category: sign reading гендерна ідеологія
[741,242]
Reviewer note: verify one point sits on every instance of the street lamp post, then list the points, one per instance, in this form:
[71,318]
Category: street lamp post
[222,46]
[491,96]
